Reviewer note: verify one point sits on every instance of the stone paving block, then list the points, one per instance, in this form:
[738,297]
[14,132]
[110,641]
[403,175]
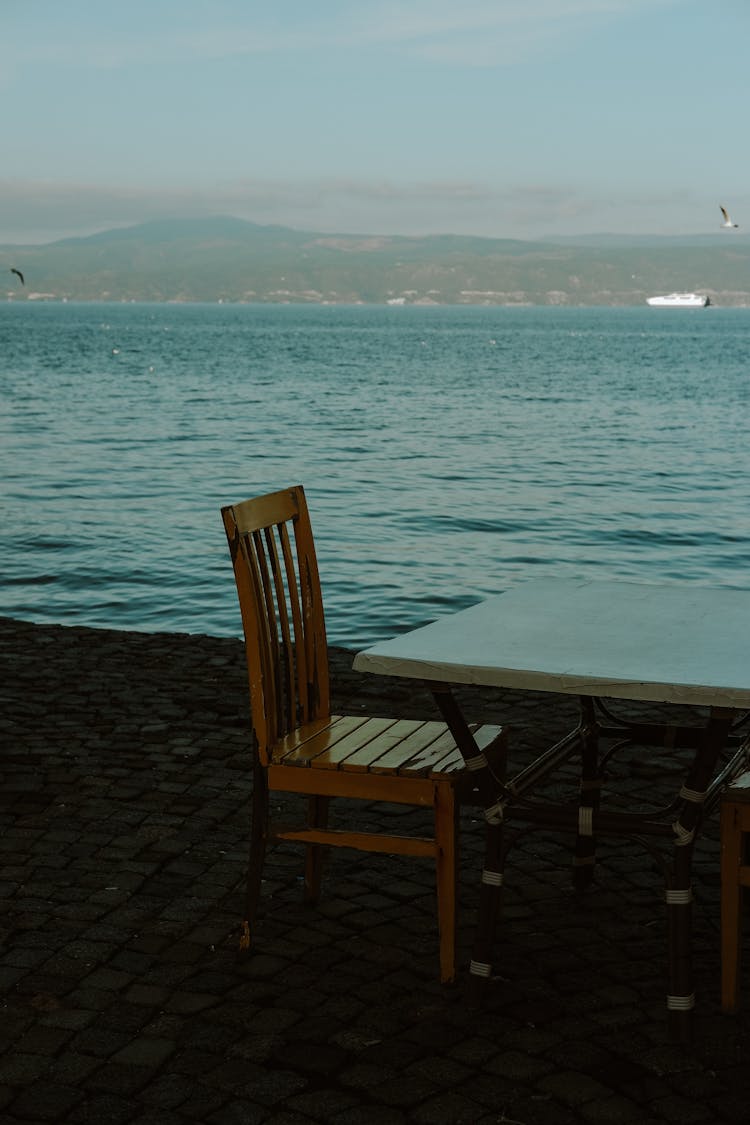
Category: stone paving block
[289,1117]
[517,1066]
[370,1115]
[132,963]
[46,1101]
[445,1109]
[104,1109]
[615,1111]
[322,1105]
[167,1091]
[71,1067]
[149,995]
[272,1087]
[99,1041]
[122,1017]
[14,1024]
[108,979]
[574,1088]
[9,976]
[145,1051]
[205,1104]
[189,1002]
[160,1117]
[237,1113]
[121,1078]
[677,1108]
[492,1091]
[44,1040]
[18,1069]
[73,1018]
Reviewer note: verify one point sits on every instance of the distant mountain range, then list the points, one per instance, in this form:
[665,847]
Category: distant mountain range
[230,260]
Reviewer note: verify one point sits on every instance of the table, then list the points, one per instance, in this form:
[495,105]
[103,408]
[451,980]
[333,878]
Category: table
[597,640]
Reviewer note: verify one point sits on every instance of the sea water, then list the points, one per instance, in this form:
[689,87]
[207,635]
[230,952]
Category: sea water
[447,454]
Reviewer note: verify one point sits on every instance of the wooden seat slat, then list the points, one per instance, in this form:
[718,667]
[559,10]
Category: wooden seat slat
[356,728]
[413,746]
[339,754]
[298,735]
[385,742]
[433,758]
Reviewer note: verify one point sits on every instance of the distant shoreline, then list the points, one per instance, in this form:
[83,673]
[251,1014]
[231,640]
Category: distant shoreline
[222,259]
[34,299]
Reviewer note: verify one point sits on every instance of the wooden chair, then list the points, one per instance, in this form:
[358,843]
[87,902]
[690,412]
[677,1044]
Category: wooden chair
[735,875]
[299,747]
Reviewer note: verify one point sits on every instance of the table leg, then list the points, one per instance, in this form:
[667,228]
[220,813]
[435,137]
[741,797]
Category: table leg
[733,859]
[489,781]
[679,893]
[590,796]
[490,897]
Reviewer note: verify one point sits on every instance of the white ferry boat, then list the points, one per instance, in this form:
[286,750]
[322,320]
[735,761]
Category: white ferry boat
[679,301]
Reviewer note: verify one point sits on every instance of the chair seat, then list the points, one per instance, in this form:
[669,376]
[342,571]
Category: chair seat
[359,744]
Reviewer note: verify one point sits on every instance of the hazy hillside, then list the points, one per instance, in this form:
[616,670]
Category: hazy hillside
[225,259]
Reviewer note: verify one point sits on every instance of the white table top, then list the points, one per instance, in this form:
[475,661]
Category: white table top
[618,640]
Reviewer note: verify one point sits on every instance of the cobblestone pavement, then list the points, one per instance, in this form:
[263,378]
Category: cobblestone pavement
[124,776]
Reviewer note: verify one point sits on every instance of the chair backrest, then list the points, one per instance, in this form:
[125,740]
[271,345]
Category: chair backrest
[276,572]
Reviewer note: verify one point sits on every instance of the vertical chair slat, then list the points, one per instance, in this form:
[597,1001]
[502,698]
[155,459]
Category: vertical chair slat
[285,654]
[313,615]
[299,625]
[272,667]
[257,649]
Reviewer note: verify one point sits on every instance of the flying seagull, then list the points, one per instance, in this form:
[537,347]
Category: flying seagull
[727,221]
[18,274]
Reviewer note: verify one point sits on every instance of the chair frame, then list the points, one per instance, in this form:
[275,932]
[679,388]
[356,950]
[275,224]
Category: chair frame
[300,748]
[735,877]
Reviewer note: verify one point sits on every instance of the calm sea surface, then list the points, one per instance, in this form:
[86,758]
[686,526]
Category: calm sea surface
[447,454]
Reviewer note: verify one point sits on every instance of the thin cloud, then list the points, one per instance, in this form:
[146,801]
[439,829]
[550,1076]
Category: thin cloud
[423,26]
[484,32]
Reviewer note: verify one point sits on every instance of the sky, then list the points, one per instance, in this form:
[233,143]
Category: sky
[498,118]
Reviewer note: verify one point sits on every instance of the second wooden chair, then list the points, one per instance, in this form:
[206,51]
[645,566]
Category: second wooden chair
[735,877]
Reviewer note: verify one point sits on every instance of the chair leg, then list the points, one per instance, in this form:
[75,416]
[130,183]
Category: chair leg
[317,817]
[446,877]
[258,837]
[731,901]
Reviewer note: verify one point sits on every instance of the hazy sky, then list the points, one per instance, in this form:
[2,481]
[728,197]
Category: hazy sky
[503,118]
